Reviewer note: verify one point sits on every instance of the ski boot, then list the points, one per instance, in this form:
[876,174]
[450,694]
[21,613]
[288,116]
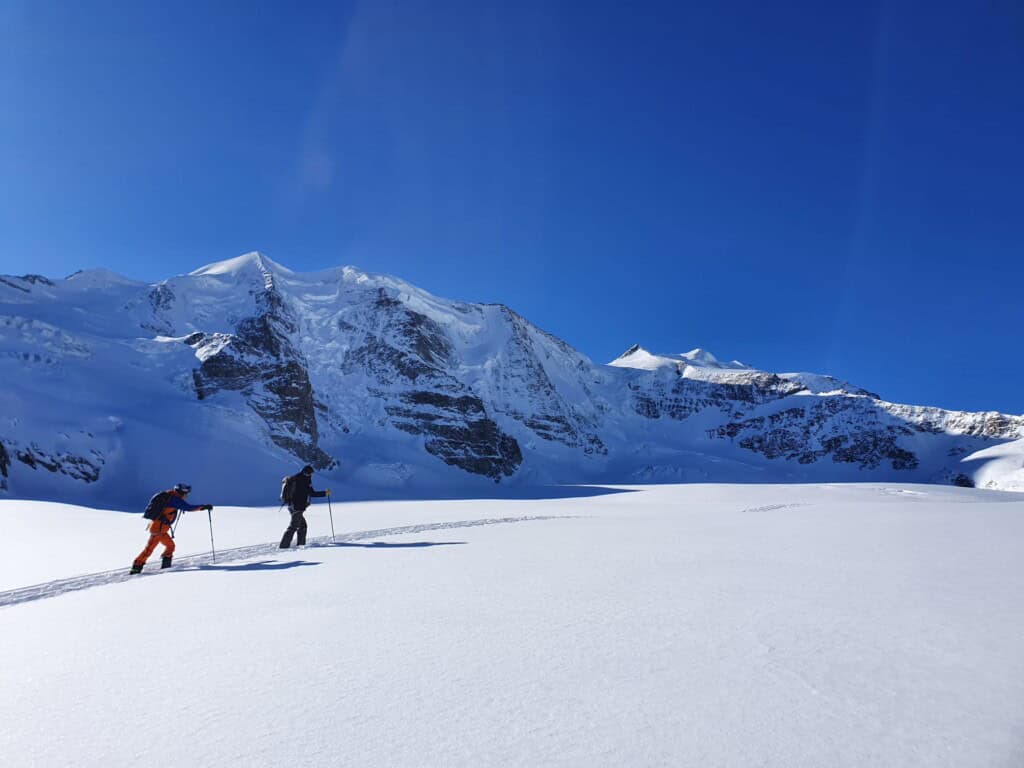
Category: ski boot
[135,569]
[165,562]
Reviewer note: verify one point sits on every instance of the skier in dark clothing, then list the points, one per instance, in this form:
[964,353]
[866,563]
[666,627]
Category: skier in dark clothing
[298,490]
[160,529]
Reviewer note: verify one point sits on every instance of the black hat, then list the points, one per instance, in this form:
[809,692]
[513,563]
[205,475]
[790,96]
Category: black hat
[307,470]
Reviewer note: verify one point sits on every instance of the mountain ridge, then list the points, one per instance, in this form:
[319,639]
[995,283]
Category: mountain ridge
[244,368]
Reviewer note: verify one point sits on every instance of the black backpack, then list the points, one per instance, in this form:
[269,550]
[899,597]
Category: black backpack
[155,508]
[288,488]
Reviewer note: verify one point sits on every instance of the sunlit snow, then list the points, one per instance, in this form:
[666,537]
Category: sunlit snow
[698,625]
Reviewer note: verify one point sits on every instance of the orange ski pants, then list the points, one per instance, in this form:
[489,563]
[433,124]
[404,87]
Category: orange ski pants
[159,533]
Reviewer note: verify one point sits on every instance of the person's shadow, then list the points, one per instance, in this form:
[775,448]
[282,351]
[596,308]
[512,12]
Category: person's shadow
[276,565]
[263,565]
[395,545]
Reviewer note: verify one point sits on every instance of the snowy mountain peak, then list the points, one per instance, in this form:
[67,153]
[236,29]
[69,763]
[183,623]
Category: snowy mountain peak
[253,260]
[638,357]
[98,279]
[704,358]
[259,265]
[700,356]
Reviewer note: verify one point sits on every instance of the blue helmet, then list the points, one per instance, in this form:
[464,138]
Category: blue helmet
[183,488]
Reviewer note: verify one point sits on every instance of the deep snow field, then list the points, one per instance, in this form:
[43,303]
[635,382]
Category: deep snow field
[689,625]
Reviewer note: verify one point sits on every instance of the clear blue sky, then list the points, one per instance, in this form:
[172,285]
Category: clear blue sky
[833,187]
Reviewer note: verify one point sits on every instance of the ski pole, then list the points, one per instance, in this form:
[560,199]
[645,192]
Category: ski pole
[174,528]
[209,517]
[331,512]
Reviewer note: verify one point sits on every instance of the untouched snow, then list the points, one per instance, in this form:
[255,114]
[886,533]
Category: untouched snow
[698,625]
[1002,464]
[98,279]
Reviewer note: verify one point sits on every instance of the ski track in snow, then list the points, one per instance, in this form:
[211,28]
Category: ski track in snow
[766,508]
[196,562]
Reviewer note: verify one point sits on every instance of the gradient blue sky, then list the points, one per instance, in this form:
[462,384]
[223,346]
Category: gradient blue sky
[832,187]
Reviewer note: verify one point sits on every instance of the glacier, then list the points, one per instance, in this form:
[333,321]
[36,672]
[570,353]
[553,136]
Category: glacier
[242,370]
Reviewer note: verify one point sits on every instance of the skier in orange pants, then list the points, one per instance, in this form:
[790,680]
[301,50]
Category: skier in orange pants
[170,503]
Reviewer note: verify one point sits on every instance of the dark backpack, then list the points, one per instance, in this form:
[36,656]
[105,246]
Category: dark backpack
[155,508]
[287,489]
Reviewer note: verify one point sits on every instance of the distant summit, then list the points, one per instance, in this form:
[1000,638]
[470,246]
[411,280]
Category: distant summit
[638,357]
[253,260]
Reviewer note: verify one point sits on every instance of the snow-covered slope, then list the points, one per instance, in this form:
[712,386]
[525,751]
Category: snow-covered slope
[638,357]
[237,372]
[699,625]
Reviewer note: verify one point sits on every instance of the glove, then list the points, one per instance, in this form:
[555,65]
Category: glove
[208,507]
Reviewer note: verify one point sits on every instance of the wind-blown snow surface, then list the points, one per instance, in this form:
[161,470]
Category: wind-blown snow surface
[703,625]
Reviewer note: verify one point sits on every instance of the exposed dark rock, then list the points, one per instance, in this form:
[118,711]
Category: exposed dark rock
[161,297]
[552,418]
[386,301]
[15,286]
[996,425]
[466,405]
[29,458]
[37,280]
[990,425]
[261,362]
[75,467]
[385,361]
[465,447]
[459,433]
[869,449]
[411,356]
[963,481]
[427,339]
[731,430]
[680,397]
[847,429]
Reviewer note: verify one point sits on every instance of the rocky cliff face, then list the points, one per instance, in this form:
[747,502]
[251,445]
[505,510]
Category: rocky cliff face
[83,468]
[5,462]
[249,364]
[519,378]
[86,469]
[843,429]
[810,420]
[678,397]
[261,362]
[410,360]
